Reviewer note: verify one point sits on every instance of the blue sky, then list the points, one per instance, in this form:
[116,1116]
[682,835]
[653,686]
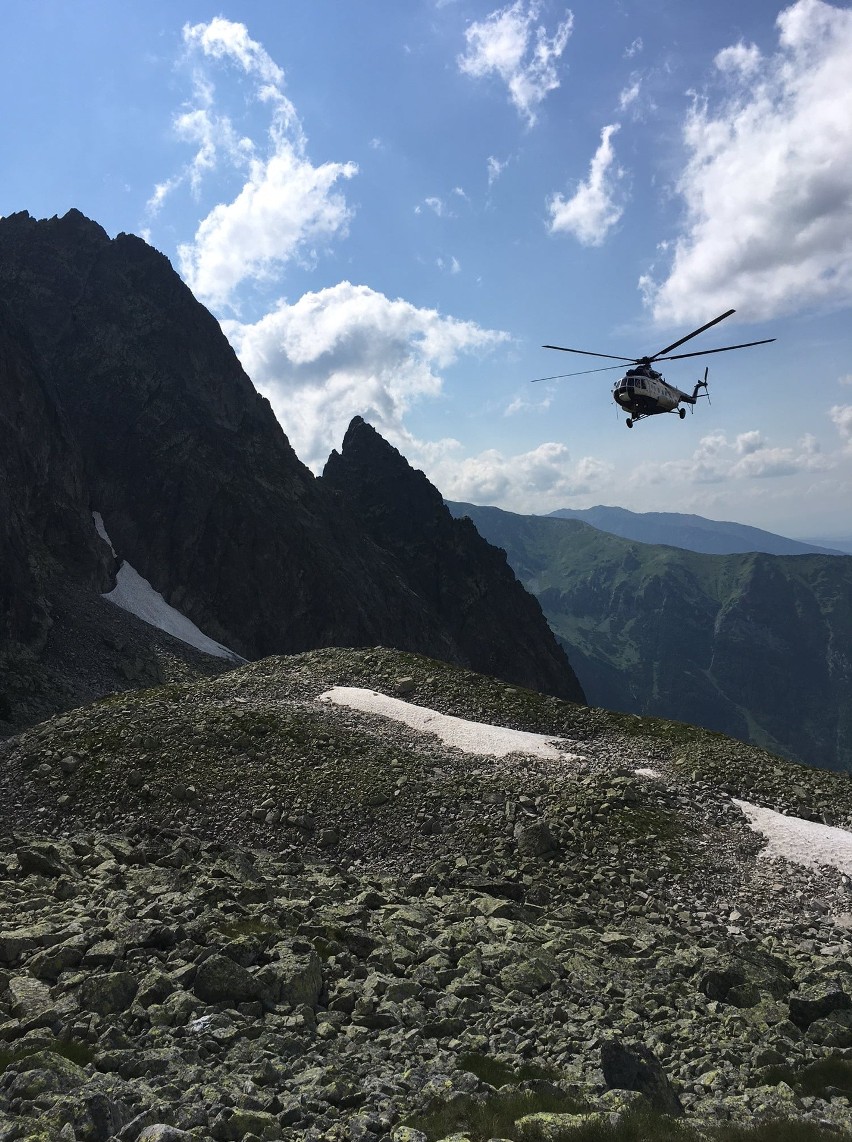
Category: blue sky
[390,207]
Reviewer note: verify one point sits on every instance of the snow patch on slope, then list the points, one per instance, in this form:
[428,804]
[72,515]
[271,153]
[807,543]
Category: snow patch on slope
[804,842]
[807,843]
[470,737]
[102,531]
[134,594]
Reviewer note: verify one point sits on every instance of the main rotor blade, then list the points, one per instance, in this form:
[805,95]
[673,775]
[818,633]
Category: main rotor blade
[689,336]
[582,373]
[586,353]
[724,349]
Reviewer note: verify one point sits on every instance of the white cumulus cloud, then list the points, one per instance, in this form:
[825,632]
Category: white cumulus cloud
[743,59]
[511,44]
[436,205]
[225,40]
[841,415]
[748,456]
[524,404]
[346,351]
[211,133]
[286,206]
[629,94]
[767,183]
[592,210]
[495,169]
[538,480]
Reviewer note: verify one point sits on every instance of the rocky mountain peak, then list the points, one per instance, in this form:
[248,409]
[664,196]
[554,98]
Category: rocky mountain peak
[496,623]
[202,494]
[390,492]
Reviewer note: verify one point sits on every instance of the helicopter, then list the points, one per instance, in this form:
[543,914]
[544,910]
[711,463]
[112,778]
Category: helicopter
[644,392]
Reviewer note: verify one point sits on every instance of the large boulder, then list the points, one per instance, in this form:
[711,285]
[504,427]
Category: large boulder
[637,1068]
[220,980]
[109,993]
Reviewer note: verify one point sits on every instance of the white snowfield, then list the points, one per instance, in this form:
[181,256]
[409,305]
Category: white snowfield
[804,842]
[135,594]
[791,838]
[470,737]
[102,531]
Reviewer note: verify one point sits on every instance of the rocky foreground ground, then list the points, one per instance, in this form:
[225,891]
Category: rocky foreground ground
[230,910]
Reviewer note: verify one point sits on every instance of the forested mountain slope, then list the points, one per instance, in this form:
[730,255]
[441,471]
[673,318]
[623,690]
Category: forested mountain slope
[757,646]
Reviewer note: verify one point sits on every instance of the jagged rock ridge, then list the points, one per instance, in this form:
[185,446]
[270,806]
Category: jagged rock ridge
[197,484]
[463,578]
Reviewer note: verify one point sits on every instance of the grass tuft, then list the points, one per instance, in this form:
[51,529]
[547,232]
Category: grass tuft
[822,1079]
[497,1074]
[492,1117]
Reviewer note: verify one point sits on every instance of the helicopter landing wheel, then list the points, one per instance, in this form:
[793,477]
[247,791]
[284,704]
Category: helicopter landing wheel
[681,413]
[629,422]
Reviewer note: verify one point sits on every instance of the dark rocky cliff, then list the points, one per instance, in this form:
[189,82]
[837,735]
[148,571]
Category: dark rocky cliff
[496,624]
[197,483]
[45,525]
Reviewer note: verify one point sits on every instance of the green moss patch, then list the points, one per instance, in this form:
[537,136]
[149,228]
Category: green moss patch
[823,1079]
[497,1074]
[779,1130]
[494,1117]
[238,929]
[79,1053]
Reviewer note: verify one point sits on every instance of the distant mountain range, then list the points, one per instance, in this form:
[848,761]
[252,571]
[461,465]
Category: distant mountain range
[844,546]
[693,532]
[757,646]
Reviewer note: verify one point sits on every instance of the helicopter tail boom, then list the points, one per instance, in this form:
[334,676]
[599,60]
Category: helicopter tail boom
[699,385]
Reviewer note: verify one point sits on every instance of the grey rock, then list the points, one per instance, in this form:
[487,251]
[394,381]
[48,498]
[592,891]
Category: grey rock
[28,997]
[817,1002]
[219,980]
[42,858]
[108,993]
[637,1068]
[835,1030]
[535,840]
[160,1132]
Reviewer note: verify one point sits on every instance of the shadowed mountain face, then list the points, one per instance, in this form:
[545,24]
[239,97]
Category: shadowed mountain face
[463,579]
[163,433]
[756,646]
[45,526]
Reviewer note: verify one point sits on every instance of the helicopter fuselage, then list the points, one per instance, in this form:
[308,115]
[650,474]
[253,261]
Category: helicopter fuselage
[642,392]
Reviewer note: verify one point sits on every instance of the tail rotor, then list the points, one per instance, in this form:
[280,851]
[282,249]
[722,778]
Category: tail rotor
[703,384]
